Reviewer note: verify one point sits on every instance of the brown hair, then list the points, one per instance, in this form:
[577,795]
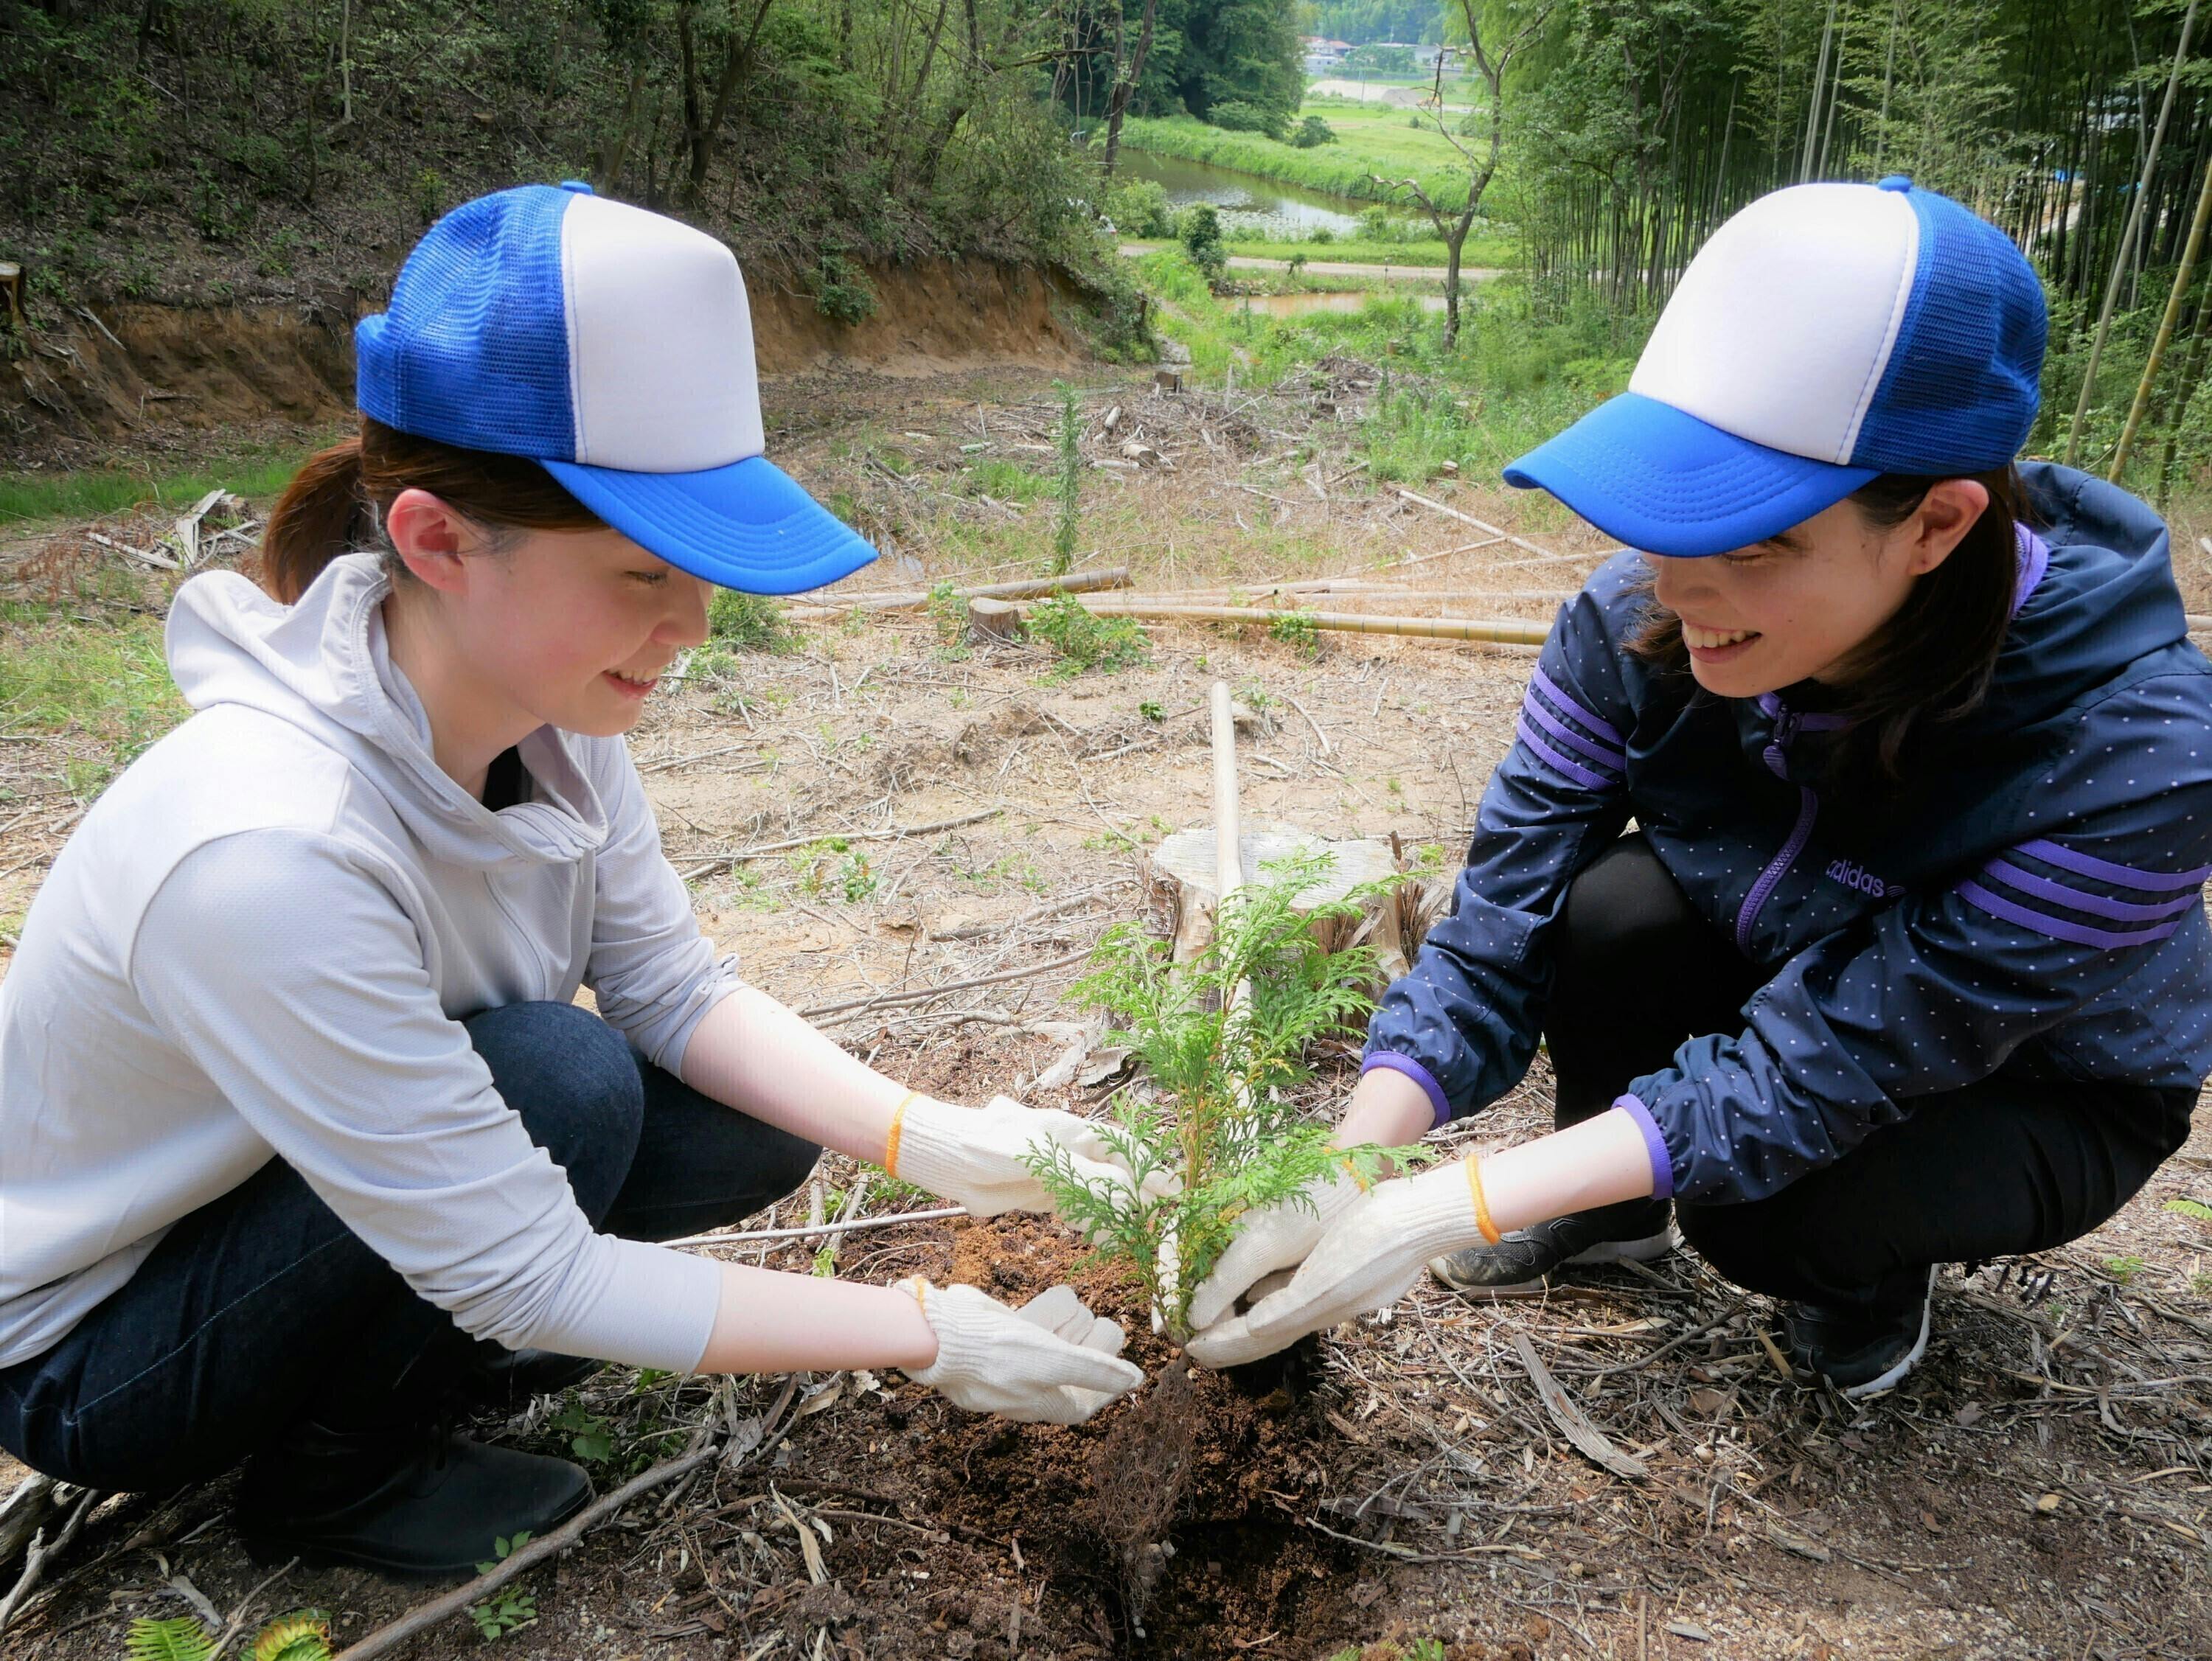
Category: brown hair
[1930,663]
[336,501]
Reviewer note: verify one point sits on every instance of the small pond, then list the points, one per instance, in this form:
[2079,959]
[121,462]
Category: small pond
[1248,203]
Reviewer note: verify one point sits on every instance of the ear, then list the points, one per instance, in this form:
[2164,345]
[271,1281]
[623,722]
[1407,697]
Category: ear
[1946,514]
[430,538]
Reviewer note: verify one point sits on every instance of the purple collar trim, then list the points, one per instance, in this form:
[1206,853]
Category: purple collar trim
[2033,556]
[1771,705]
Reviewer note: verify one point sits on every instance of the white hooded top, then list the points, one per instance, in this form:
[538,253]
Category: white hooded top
[261,942]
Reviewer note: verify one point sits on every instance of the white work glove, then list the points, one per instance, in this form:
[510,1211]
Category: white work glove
[1051,1361]
[1275,1237]
[973,1155]
[1369,1256]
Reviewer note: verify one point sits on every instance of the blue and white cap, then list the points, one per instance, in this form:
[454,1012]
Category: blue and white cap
[615,348]
[1825,334]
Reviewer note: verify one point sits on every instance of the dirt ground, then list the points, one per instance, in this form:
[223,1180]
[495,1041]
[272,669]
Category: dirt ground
[2041,1486]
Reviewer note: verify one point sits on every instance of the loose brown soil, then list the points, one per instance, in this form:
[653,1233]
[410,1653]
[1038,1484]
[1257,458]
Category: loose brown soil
[2041,1486]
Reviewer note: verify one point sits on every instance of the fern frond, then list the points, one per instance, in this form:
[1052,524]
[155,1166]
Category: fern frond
[182,1637]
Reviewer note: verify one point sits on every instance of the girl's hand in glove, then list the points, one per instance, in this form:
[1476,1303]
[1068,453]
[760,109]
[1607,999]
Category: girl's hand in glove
[974,1155]
[1372,1252]
[1051,1361]
[1275,1237]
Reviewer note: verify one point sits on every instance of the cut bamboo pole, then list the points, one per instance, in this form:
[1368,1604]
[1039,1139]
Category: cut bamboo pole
[1258,600]
[1505,631]
[2181,281]
[1075,582]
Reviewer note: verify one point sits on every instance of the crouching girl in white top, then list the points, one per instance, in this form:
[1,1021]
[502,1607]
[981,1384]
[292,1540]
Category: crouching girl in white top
[302,1135]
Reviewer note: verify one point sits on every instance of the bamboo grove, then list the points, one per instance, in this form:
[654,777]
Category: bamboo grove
[1640,124]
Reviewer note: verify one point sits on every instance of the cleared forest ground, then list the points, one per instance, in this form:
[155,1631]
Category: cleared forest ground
[2042,1486]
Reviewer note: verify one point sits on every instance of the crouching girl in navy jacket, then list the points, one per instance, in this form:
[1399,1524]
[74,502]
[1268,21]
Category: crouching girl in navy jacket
[1905,960]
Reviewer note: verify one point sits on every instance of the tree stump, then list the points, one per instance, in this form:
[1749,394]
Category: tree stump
[992,622]
[1181,872]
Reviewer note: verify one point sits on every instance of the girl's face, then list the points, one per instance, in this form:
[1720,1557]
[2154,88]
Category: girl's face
[1799,606]
[563,628]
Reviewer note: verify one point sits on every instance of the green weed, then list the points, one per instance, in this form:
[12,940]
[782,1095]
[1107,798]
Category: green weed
[2182,1208]
[1084,641]
[1005,481]
[108,681]
[1071,480]
[2124,1269]
[750,622]
[510,1607]
[1296,630]
[590,1438]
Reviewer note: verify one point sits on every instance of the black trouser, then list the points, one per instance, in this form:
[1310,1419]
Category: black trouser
[262,1308]
[2002,1167]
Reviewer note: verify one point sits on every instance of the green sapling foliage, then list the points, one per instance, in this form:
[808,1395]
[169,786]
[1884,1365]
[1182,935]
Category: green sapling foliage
[1226,1136]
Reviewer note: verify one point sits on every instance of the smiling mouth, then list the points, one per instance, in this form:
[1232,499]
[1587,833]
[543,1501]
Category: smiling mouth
[638,684]
[1714,639]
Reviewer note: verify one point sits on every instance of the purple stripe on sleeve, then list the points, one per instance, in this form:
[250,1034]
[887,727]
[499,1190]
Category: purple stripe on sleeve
[1603,729]
[1567,736]
[2033,559]
[1412,1069]
[2095,904]
[2079,934]
[1663,1162]
[1574,770]
[2053,853]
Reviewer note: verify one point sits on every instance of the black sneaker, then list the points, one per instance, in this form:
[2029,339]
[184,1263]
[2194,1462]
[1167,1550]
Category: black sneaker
[1521,1263]
[417,1501]
[1861,1352]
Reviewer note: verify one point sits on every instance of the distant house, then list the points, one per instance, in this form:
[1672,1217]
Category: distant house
[1324,56]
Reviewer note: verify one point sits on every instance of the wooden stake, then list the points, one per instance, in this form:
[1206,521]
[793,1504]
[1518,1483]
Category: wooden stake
[1228,862]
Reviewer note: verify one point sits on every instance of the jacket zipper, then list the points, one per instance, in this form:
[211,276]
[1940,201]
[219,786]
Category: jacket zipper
[1808,809]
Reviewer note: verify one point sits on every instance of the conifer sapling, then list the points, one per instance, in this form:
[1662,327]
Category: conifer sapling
[1225,1134]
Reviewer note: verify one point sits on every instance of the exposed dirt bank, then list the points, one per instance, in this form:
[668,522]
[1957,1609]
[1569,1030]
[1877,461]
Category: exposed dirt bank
[131,375]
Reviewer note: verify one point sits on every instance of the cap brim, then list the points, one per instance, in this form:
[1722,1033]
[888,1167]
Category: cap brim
[747,526]
[1665,482]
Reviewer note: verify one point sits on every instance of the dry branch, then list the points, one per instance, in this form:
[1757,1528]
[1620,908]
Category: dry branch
[419,1619]
[40,1553]
[789,843]
[809,1230]
[923,995]
[1486,528]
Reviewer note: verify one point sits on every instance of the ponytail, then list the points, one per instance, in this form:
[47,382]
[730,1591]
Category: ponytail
[321,515]
[336,501]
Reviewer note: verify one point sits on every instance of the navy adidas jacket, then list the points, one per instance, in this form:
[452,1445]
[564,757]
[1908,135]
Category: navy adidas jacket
[2029,906]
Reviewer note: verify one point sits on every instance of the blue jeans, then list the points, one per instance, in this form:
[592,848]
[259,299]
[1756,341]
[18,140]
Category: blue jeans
[262,1308]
